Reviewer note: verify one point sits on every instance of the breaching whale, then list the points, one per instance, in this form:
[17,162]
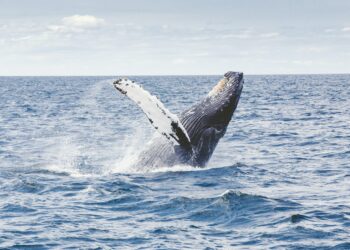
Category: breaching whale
[192,137]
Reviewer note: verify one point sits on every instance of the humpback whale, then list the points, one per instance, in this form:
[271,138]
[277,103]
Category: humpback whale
[191,137]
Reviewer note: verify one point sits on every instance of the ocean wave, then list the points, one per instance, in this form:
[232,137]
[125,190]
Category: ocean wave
[278,178]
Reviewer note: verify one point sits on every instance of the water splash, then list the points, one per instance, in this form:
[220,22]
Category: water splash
[65,157]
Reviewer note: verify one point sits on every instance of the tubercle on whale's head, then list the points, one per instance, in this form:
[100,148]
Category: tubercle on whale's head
[231,79]
[223,99]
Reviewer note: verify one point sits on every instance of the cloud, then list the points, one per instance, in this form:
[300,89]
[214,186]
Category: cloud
[77,23]
[245,34]
[201,54]
[3,27]
[83,21]
[249,34]
[303,62]
[270,35]
[182,60]
[312,49]
[346,29]
[179,61]
[239,36]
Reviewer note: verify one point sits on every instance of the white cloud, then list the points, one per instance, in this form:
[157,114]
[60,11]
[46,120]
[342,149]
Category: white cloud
[57,28]
[165,26]
[196,38]
[244,35]
[346,29]
[312,49]
[201,54]
[270,35]
[248,34]
[182,61]
[3,27]
[77,23]
[179,61]
[23,38]
[83,21]
[303,62]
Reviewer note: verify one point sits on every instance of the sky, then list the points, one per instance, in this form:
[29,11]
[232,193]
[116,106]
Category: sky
[182,37]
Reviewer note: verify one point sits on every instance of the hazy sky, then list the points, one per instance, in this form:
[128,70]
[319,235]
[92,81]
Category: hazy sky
[135,37]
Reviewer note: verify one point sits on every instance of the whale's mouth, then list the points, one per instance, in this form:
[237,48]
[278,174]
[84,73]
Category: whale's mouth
[230,79]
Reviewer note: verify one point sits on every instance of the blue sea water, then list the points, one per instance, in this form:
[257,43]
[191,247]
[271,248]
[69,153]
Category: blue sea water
[279,179]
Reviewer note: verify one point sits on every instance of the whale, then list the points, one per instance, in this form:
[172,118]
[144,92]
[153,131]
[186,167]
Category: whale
[191,137]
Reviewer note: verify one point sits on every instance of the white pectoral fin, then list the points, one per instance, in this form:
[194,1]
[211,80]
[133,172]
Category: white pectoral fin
[162,119]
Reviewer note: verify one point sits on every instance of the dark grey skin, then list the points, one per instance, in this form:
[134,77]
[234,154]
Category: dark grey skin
[205,122]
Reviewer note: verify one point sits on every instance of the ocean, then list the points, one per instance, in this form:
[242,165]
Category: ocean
[279,179]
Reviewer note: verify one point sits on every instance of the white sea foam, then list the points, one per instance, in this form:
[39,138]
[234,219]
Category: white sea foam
[128,150]
[64,155]
[176,168]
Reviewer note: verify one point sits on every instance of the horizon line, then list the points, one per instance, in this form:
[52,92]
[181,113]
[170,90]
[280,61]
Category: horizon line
[99,75]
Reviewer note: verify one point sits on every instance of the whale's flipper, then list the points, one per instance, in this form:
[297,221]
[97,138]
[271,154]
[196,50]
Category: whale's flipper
[162,119]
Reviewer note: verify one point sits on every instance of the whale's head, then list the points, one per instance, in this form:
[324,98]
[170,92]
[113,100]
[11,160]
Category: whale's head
[222,100]
[207,121]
